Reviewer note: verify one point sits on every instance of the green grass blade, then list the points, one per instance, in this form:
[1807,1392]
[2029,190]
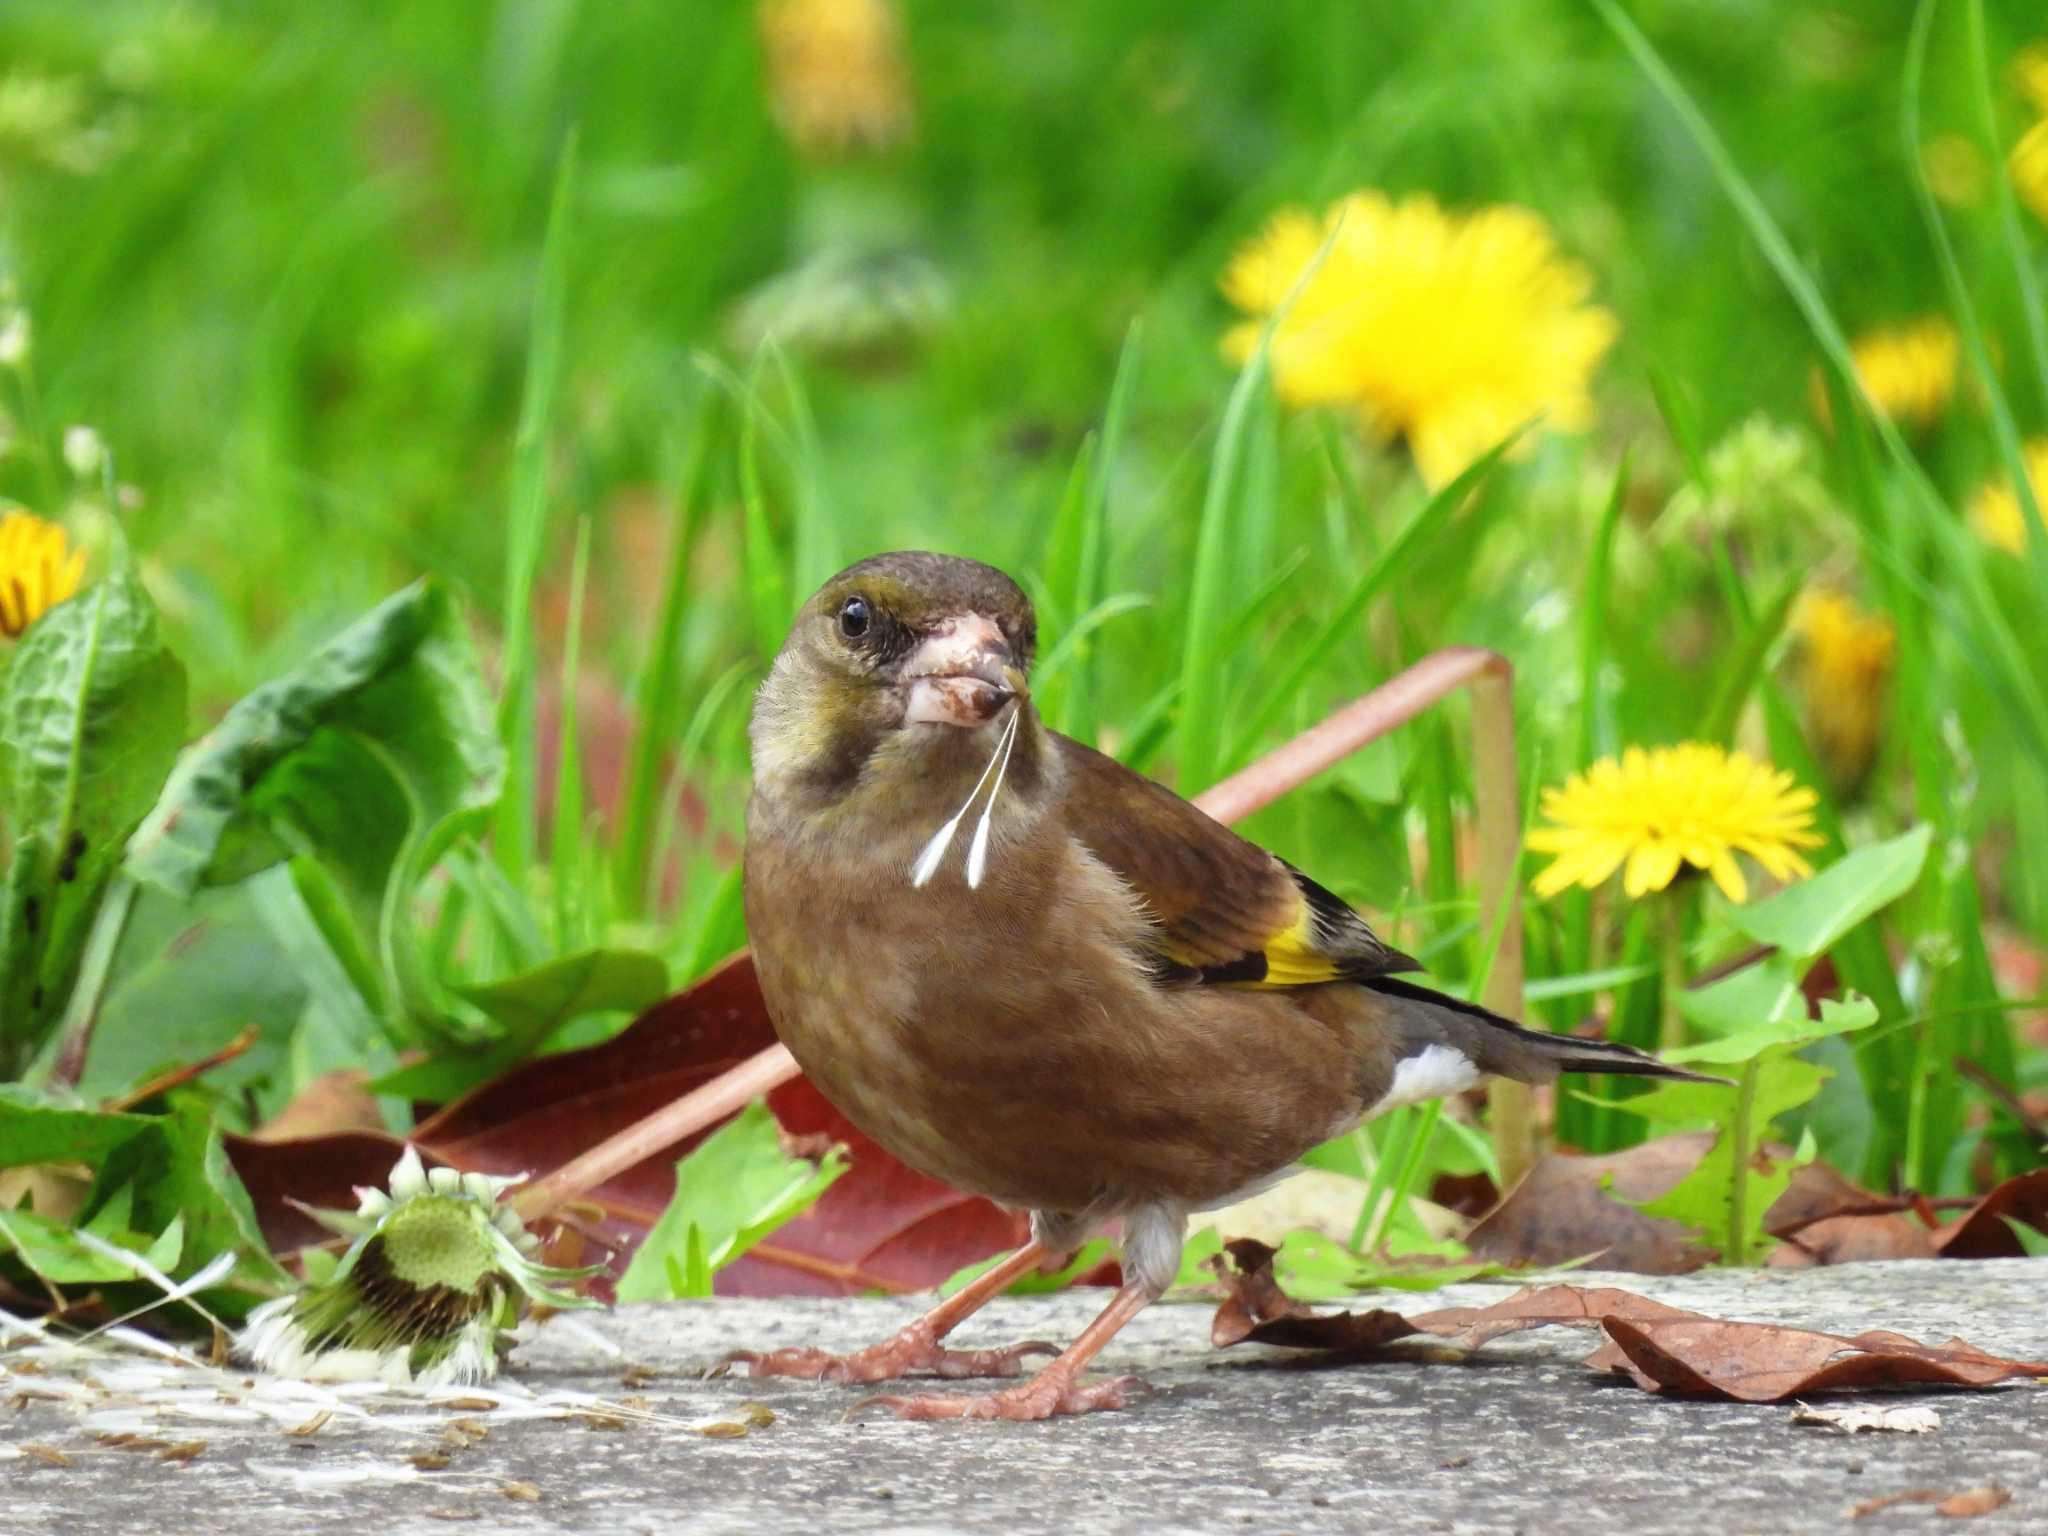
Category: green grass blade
[2033,306]
[1385,567]
[2003,427]
[2012,676]
[569,831]
[659,693]
[514,829]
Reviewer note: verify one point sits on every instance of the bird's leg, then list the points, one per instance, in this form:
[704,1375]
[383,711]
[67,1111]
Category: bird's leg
[1151,1260]
[916,1348]
[1056,1389]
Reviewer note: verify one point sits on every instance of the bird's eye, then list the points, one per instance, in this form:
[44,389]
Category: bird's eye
[855,617]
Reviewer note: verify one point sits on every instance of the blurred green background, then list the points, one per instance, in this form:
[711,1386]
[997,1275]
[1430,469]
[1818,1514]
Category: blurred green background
[287,264]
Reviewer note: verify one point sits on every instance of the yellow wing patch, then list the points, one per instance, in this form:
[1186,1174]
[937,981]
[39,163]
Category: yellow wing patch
[1294,958]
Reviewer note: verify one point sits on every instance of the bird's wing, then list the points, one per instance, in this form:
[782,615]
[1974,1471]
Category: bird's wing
[1228,912]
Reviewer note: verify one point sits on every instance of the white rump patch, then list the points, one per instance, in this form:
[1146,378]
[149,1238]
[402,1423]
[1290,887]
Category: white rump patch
[1437,1070]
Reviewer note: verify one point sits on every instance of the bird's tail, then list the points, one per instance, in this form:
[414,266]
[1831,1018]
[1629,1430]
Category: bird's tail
[1503,1048]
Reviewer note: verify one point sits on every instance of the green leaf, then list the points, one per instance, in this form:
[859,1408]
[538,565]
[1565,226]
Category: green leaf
[399,688]
[92,713]
[1702,1198]
[1806,920]
[188,977]
[34,1131]
[531,1007]
[734,1188]
[179,1168]
[1785,1026]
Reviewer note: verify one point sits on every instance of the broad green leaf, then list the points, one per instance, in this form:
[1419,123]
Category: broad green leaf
[35,1131]
[1702,1198]
[732,1190]
[401,685]
[530,1007]
[51,1251]
[188,977]
[1783,1083]
[1784,1031]
[92,713]
[1806,920]
[178,1168]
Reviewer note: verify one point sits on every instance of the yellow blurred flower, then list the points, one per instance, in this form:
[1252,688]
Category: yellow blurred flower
[38,570]
[2029,167]
[836,73]
[2030,74]
[1845,661]
[1653,811]
[1955,169]
[1995,511]
[1450,330]
[1909,371]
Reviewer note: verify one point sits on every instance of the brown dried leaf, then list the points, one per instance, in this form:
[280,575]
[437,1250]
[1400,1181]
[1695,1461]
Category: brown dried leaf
[332,1102]
[1972,1502]
[1545,1306]
[48,1455]
[1256,1309]
[430,1461]
[1765,1363]
[312,1426]
[1892,1500]
[525,1493]
[1982,1233]
[184,1450]
[1854,1239]
[1569,1207]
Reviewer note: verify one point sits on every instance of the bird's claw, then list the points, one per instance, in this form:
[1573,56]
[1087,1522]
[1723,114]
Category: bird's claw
[1049,1394]
[912,1352]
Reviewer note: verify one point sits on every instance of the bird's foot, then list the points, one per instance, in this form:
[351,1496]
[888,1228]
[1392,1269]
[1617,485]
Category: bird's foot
[915,1351]
[1052,1392]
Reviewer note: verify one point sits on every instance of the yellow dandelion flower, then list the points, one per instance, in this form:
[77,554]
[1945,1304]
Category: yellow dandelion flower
[1956,172]
[1447,329]
[1995,511]
[1653,811]
[1909,371]
[1845,661]
[2030,74]
[38,570]
[2029,169]
[836,73]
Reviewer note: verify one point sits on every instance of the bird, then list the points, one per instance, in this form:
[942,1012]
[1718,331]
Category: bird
[1038,976]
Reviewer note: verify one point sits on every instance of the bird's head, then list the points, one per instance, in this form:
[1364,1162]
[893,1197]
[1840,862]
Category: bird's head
[908,660]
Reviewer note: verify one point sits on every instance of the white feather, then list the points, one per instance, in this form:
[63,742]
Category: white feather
[934,851]
[977,852]
[1431,1073]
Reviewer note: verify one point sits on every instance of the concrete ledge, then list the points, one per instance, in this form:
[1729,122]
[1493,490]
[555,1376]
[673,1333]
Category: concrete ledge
[1516,1438]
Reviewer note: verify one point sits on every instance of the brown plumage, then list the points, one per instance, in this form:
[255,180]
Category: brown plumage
[1131,1013]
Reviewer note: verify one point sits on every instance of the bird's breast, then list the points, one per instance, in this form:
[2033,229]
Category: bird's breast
[1009,1039]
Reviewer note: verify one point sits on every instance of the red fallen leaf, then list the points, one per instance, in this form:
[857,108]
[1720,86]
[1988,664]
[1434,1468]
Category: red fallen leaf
[1765,1363]
[881,1226]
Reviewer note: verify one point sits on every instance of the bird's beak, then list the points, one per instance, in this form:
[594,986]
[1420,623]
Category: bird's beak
[962,673]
